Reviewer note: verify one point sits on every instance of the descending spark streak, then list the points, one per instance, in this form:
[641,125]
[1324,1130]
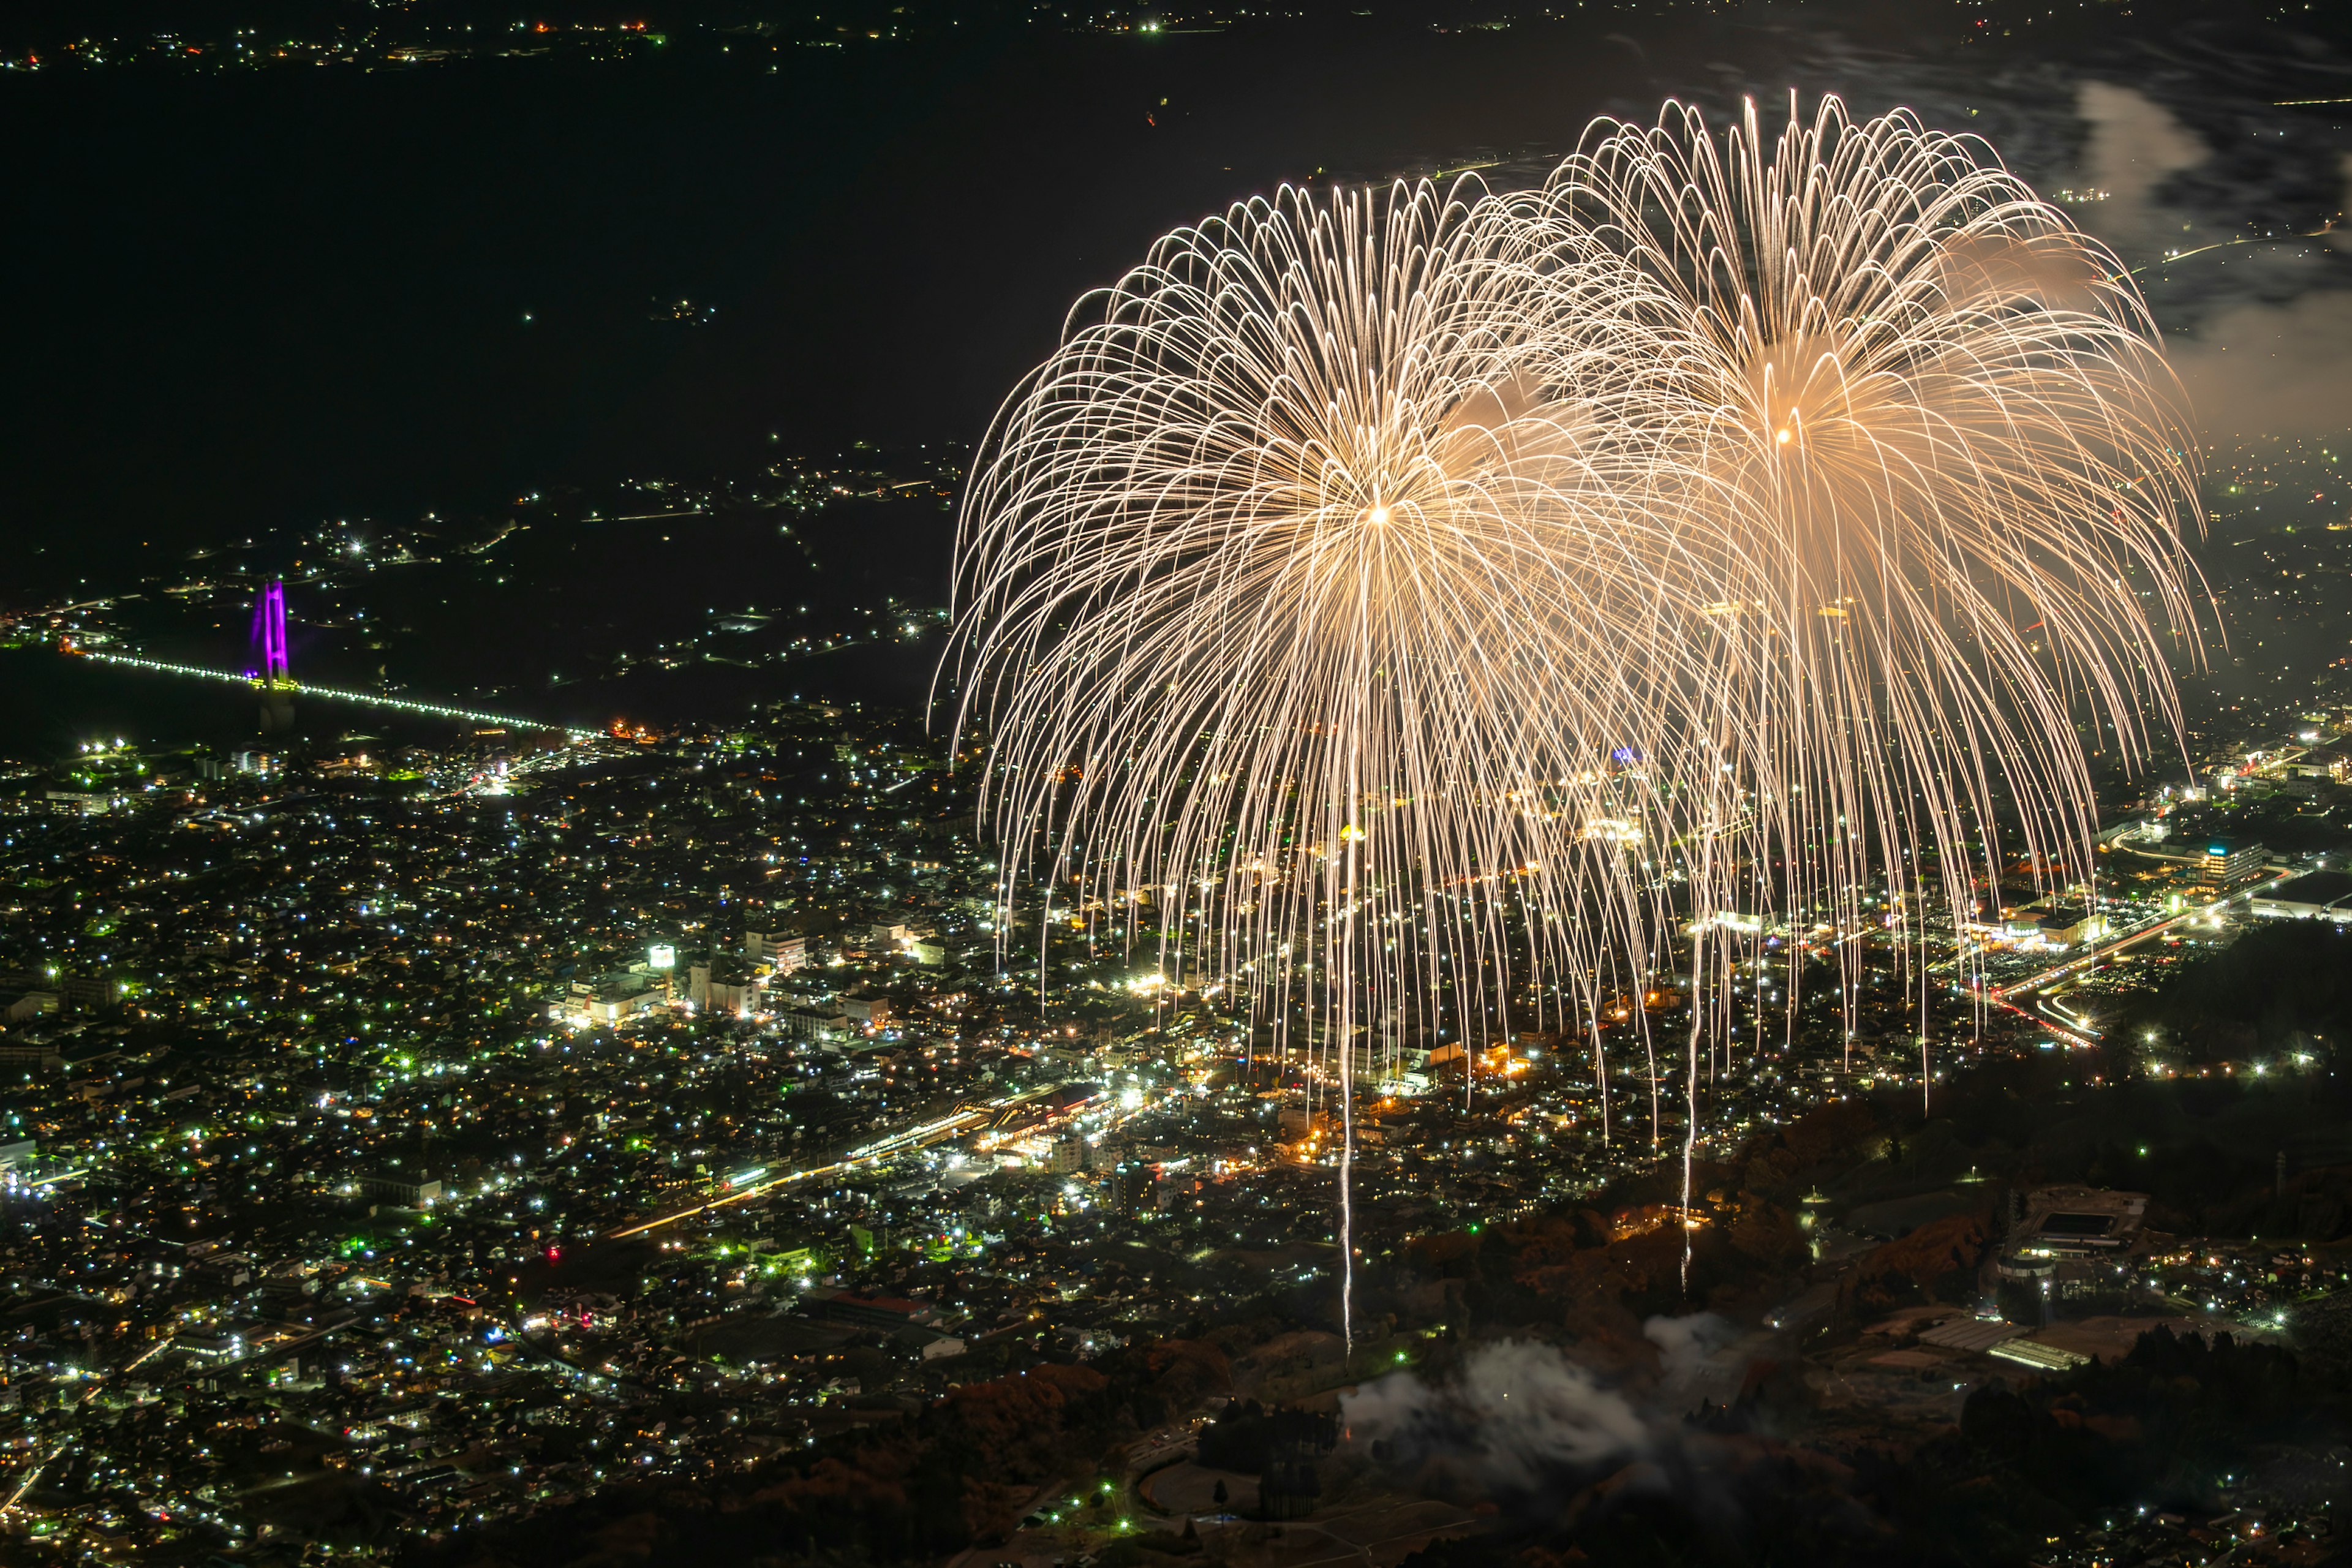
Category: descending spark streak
[1310,585]
[1914,410]
[1293,586]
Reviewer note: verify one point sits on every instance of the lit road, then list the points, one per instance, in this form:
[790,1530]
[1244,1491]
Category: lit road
[963,1119]
[2058,975]
[32,1474]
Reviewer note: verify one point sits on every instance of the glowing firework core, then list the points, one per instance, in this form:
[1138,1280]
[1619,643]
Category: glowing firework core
[1357,553]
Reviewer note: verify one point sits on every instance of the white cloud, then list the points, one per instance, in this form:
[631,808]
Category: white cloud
[2251,366]
[2135,146]
[2270,370]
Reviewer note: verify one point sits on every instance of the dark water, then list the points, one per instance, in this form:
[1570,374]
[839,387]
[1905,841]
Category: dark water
[563,621]
[267,298]
[283,296]
[53,704]
[253,302]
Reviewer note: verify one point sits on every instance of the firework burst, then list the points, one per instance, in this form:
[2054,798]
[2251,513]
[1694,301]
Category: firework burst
[1315,595]
[1297,591]
[1924,440]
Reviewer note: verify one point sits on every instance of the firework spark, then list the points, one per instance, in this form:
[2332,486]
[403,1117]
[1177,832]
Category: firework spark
[1415,604]
[1926,446]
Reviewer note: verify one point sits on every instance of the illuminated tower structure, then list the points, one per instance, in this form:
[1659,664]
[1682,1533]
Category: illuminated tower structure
[275,685]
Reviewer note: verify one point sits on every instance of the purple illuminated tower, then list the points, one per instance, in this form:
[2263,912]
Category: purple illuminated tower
[270,637]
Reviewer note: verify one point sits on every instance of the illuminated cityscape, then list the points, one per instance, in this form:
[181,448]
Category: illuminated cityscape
[639,923]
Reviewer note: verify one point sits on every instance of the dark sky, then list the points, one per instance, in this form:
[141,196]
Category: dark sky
[253,299]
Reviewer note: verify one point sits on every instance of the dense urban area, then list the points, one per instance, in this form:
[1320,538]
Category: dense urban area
[531,1037]
[418,1143]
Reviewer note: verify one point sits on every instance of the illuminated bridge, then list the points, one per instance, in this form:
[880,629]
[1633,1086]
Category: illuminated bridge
[278,687]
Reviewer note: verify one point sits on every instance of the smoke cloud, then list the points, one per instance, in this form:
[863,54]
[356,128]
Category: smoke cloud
[1520,1413]
[1517,1414]
[2273,370]
[2269,360]
[1684,1343]
[2134,147]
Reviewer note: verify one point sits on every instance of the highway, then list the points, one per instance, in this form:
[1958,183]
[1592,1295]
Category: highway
[2046,1011]
[913,1138]
[963,1119]
[2132,938]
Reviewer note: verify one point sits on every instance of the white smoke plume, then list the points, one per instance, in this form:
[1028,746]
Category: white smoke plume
[1685,1343]
[1520,1413]
[2135,146]
[2252,362]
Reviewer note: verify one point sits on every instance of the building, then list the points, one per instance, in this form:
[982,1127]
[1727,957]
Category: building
[1128,1182]
[782,951]
[2228,863]
[2078,1221]
[870,1311]
[88,991]
[212,1346]
[723,986]
[16,1007]
[416,1192]
[2005,914]
[32,1056]
[82,801]
[2316,895]
[2071,1240]
[611,1010]
[2065,926]
[2068,1240]
[740,998]
[872,1012]
[608,1001]
[812,1024]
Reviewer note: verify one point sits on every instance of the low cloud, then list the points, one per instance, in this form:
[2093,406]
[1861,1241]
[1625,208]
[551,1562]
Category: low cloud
[1685,1343]
[1518,1415]
[2266,345]
[2270,370]
[2134,145]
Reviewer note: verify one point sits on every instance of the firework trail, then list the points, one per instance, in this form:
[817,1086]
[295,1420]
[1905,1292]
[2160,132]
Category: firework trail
[1425,603]
[1926,445]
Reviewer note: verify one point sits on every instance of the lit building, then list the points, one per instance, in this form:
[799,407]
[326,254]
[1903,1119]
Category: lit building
[782,951]
[2065,926]
[2228,863]
[2316,895]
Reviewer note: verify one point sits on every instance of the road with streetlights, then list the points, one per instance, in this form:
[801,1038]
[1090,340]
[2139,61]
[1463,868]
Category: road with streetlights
[2034,985]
